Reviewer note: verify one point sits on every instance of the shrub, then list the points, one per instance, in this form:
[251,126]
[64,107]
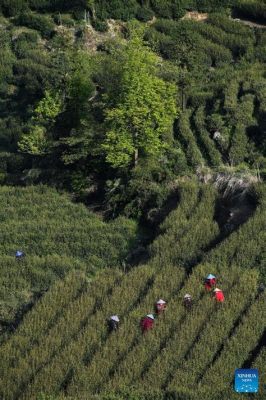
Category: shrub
[65,20]
[239,143]
[100,25]
[147,189]
[25,42]
[117,9]
[251,10]
[12,8]
[188,140]
[41,23]
[228,25]
[238,44]
[144,14]
[166,9]
[13,163]
[212,154]
[212,5]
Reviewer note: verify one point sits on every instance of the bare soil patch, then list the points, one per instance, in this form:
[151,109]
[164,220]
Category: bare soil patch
[196,16]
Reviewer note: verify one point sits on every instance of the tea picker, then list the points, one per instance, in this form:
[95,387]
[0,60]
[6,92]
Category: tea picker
[113,323]
[19,255]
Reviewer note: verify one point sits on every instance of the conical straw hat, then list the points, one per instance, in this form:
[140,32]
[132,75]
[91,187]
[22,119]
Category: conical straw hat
[114,318]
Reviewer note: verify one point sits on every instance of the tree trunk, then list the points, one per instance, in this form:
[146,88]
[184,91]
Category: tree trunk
[136,152]
[136,157]
[183,99]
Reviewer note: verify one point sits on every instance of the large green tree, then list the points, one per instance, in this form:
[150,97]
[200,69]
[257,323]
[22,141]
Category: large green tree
[140,124]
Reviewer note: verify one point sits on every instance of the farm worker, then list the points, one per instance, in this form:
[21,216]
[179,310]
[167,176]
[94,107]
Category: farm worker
[218,294]
[210,281]
[188,300]
[113,323]
[147,323]
[160,306]
[261,288]
[19,254]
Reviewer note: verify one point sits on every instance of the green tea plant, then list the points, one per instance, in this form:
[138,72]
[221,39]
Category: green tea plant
[255,10]
[186,137]
[195,233]
[57,236]
[124,298]
[56,335]
[44,314]
[212,154]
[236,43]
[189,198]
[186,331]
[231,96]
[115,350]
[237,348]
[228,25]
[244,246]
[73,353]
[216,331]
[260,364]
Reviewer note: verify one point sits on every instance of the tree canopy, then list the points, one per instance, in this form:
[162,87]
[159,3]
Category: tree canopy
[141,122]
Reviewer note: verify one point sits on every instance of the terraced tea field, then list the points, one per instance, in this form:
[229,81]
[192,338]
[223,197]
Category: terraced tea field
[62,347]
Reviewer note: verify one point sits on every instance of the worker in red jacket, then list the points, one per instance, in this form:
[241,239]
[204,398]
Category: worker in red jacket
[147,323]
[160,306]
[218,295]
[210,282]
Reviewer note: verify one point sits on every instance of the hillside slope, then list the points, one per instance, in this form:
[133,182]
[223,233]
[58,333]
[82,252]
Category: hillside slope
[66,349]
[57,237]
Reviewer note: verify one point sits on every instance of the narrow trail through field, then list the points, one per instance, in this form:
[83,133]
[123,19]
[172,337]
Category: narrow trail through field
[201,17]
[249,23]
[256,351]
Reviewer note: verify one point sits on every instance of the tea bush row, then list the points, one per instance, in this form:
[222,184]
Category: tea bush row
[110,357]
[237,348]
[211,153]
[217,330]
[57,333]
[124,298]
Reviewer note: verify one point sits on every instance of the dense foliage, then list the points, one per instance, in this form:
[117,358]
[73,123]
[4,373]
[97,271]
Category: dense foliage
[127,105]
[119,124]
[255,10]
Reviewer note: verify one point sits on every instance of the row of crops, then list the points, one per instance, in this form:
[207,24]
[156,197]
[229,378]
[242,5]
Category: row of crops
[206,141]
[29,216]
[62,345]
[214,140]
[57,237]
[221,86]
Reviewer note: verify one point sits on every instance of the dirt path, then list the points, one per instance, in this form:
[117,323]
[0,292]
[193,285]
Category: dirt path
[197,16]
[249,23]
